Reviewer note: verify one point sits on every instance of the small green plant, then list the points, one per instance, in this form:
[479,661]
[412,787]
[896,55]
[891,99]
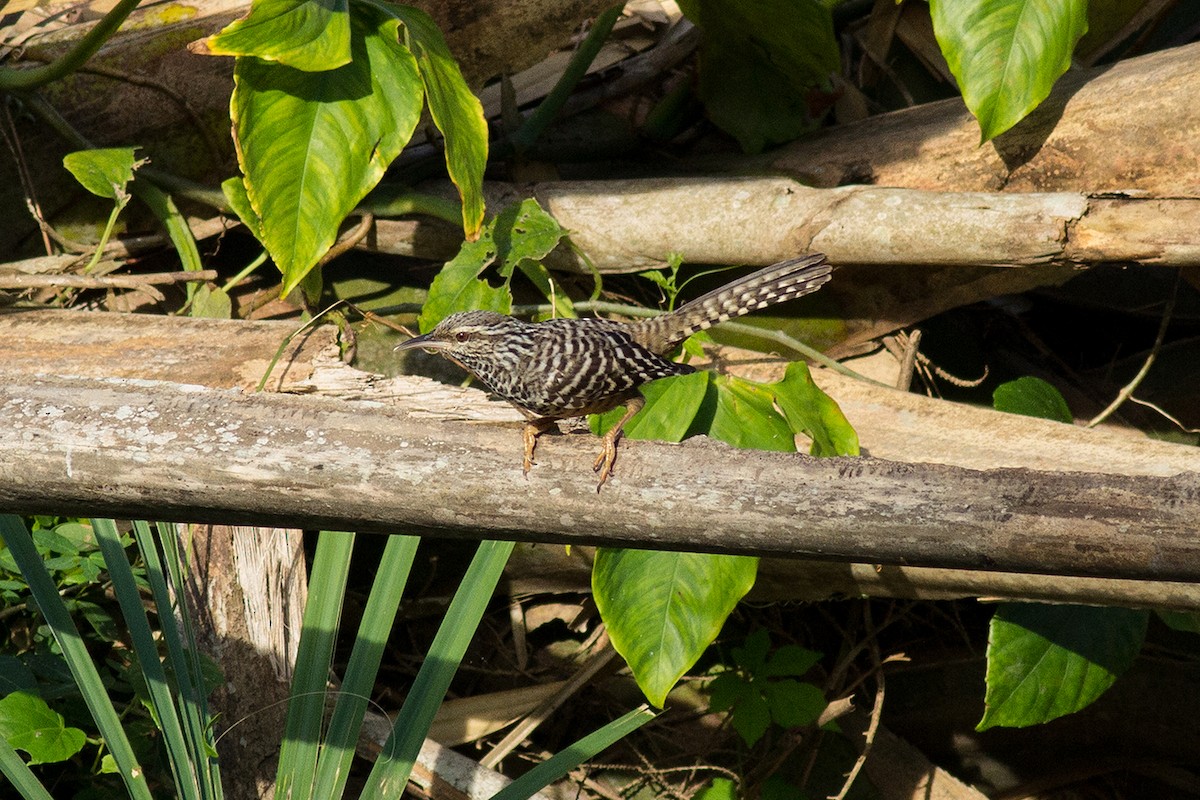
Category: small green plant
[762,688]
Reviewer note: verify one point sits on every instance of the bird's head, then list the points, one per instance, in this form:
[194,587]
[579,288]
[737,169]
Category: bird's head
[472,339]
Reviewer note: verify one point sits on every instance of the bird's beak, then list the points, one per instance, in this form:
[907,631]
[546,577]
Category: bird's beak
[425,342]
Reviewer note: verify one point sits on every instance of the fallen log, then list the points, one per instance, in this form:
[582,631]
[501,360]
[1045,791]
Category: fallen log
[142,449]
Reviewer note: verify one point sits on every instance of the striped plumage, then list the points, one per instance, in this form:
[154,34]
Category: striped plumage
[570,367]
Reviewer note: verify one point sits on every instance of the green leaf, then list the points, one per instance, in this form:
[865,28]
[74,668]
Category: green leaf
[663,609]
[719,789]
[234,190]
[751,717]
[1032,397]
[105,173]
[752,655]
[745,416]
[211,302]
[311,35]
[524,235]
[312,144]
[1007,54]
[791,660]
[524,232]
[520,236]
[815,414]
[457,112]
[572,756]
[758,63]
[792,703]
[1182,621]
[1045,661]
[458,286]
[28,724]
[672,405]
[727,690]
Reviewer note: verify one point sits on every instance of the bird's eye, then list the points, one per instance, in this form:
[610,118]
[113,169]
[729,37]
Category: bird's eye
[462,336]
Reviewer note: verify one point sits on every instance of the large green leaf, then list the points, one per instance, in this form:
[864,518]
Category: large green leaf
[1045,661]
[663,609]
[455,110]
[1007,54]
[311,35]
[1032,397]
[312,144]
[760,61]
[815,414]
[672,406]
[741,413]
[745,417]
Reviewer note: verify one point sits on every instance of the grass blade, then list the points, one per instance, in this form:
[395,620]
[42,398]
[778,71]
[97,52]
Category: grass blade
[20,544]
[318,634]
[129,598]
[566,760]
[19,774]
[184,660]
[378,616]
[391,771]
[182,652]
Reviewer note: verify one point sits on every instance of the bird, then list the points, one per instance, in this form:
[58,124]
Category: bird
[563,368]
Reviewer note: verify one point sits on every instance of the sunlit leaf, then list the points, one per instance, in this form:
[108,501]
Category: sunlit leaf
[664,609]
[104,172]
[745,416]
[311,35]
[815,414]
[1032,397]
[1045,661]
[28,724]
[1007,54]
[457,112]
[312,144]
[458,286]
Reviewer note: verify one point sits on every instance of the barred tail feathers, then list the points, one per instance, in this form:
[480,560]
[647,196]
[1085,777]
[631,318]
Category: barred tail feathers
[777,283]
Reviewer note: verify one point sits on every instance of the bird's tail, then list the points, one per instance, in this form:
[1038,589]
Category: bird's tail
[777,283]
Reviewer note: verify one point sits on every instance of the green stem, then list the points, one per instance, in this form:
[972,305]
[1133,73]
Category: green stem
[535,124]
[104,237]
[395,203]
[16,80]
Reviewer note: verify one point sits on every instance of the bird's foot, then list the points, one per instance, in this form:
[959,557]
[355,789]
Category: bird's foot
[604,462]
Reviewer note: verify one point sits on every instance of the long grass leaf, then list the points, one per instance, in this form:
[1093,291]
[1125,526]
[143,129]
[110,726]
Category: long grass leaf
[318,634]
[568,759]
[183,653]
[188,683]
[19,774]
[391,771]
[378,616]
[146,649]
[54,610]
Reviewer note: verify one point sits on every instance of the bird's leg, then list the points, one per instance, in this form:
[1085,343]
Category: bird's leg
[534,428]
[604,461]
